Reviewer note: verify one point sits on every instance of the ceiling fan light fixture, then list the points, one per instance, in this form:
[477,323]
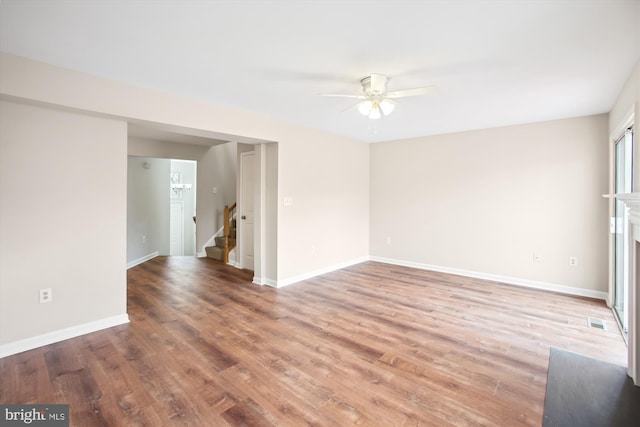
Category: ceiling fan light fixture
[365,107]
[375,113]
[387,106]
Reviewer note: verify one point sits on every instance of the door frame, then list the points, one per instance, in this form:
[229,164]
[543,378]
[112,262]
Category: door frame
[633,333]
[621,220]
[265,205]
[613,138]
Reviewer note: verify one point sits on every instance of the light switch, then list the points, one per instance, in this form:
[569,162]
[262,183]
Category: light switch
[288,201]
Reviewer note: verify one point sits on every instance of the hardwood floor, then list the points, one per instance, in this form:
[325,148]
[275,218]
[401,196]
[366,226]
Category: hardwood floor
[373,345]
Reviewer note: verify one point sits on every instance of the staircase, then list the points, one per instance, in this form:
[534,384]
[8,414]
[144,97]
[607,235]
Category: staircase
[226,242]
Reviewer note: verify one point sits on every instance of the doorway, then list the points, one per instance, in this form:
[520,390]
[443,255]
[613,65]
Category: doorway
[182,208]
[176,228]
[161,196]
[623,184]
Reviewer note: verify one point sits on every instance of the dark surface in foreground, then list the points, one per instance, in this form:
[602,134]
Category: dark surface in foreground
[585,392]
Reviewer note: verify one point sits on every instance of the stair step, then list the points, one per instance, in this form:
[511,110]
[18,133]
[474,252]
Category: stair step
[220,241]
[214,252]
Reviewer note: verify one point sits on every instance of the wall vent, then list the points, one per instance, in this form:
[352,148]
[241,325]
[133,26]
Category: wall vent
[597,323]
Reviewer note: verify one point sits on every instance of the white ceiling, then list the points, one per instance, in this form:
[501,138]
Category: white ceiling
[494,63]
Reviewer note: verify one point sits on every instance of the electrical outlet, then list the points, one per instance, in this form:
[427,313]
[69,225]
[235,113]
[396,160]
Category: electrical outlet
[46,295]
[536,257]
[573,261]
[387,240]
[144,239]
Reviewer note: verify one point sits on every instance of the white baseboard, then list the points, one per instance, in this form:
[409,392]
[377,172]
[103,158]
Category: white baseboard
[201,254]
[311,274]
[141,260]
[270,282]
[498,278]
[264,281]
[61,335]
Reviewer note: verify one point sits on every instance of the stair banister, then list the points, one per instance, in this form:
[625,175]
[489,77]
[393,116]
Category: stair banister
[228,217]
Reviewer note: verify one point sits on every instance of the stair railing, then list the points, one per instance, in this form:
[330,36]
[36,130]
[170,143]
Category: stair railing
[228,217]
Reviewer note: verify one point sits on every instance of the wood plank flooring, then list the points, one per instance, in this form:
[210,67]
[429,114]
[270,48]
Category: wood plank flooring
[370,345]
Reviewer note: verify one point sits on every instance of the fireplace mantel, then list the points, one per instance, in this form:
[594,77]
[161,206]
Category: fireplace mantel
[632,202]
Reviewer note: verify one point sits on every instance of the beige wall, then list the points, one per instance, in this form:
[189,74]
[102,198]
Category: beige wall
[485,201]
[326,175]
[327,223]
[62,220]
[148,220]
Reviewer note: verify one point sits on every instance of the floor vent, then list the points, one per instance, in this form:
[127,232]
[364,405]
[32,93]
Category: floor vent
[597,323]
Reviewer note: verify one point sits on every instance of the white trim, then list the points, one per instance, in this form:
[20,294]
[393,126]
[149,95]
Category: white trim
[611,206]
[260,238]
[498,278]
[270,282]
[264,281]
[632,204]
[614,137]
[138,261]
[61,335]
[312,274]
[626,123]
[232,256]
[201,254]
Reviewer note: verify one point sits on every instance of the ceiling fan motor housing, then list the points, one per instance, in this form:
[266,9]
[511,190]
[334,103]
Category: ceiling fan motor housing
[374,85]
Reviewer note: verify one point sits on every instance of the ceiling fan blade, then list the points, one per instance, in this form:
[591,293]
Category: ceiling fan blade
[340,95]
[410,92]
[351,107]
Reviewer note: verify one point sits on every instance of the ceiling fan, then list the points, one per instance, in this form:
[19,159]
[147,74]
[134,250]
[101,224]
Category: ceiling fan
[376,101]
